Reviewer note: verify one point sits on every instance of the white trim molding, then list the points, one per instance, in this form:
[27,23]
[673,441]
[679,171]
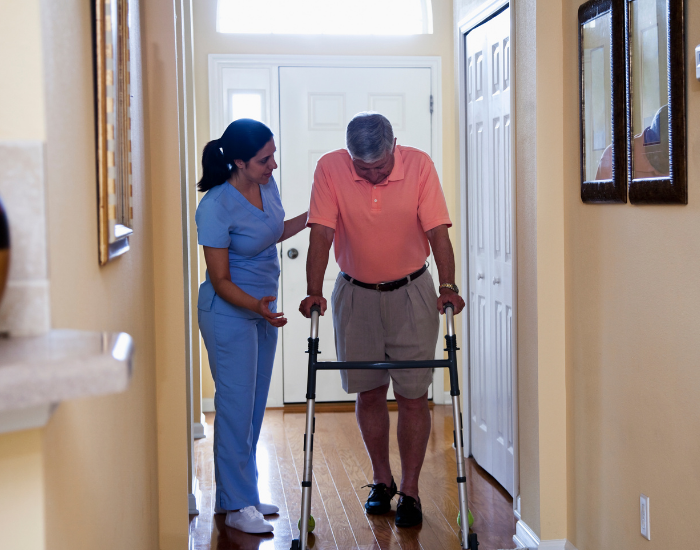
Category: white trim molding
[194,497]
[198,430]
[524,536]
[556,544]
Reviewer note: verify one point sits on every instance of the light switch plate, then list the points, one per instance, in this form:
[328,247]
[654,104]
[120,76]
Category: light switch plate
[644,516]
[697,62]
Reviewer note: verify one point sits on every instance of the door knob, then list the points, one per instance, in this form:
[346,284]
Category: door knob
[293,253]
[479,276]
[496,280]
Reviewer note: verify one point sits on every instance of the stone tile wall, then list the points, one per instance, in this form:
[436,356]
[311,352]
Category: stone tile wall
[25,309]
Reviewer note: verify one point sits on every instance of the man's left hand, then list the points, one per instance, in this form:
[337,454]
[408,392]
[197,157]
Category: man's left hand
[448,296]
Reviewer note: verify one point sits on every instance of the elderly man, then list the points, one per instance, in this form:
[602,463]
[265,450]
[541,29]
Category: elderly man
[382,204]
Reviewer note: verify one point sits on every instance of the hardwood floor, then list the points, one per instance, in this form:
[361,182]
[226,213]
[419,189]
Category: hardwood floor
[341,468]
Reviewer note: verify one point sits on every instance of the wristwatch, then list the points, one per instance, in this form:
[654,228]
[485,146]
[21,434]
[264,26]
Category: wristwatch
[450,286]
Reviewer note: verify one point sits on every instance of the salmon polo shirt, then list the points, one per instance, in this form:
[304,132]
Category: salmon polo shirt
[379,229]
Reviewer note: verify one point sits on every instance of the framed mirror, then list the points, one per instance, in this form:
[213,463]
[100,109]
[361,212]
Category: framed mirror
[656,102]
[602,89]
[113,114]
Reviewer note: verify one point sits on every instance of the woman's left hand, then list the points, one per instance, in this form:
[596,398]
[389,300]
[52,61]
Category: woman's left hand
[275,319]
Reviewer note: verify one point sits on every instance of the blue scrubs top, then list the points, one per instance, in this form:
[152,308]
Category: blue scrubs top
[225,219]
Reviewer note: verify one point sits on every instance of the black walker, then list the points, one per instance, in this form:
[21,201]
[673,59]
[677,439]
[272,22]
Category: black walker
[468,540]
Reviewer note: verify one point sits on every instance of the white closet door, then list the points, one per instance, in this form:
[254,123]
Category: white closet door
[490,246]
[316,104]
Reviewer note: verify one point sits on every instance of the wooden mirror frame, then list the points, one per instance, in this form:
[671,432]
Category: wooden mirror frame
[674,188]
[613,190]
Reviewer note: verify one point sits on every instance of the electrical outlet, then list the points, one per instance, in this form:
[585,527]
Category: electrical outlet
[644,516]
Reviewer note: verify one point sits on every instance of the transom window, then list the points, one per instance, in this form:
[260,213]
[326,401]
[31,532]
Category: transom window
[360,17]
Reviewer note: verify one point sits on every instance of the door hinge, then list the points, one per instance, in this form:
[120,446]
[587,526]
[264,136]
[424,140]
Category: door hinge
[431,104]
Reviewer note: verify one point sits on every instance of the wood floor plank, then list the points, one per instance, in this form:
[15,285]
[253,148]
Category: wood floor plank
[341,468]
[348,477]
[272,433]
[323,537]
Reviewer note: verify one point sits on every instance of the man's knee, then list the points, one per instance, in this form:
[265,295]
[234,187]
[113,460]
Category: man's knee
[373,397]
[412,404]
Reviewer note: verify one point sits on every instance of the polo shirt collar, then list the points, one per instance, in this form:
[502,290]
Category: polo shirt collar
[397,172]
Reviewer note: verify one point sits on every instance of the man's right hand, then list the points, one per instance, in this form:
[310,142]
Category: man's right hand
[306,303]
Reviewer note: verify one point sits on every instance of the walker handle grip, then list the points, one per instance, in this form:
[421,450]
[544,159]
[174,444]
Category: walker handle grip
[449,316]
[315,314]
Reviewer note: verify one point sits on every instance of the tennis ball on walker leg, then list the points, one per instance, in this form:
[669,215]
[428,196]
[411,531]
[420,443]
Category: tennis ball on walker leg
[310,527]
[471,518]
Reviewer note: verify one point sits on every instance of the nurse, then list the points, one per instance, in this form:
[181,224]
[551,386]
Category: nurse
[239,222]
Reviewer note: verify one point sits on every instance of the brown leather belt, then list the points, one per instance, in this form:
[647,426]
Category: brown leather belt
[386,287]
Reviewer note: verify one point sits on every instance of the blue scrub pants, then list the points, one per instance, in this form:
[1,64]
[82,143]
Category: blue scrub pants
[241,353]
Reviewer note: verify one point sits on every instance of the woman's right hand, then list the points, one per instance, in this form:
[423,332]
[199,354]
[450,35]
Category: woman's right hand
[263,308]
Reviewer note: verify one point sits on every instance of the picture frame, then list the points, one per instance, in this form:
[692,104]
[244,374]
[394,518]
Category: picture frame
[602,101]
[656,103]
[113,126]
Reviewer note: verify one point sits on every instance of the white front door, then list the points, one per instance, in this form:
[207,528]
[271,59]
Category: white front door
[316,104]
[490,246]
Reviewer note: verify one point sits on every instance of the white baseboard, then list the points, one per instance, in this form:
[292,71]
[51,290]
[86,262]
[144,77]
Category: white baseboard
[194,497]
[208,405]
[198,431]
[556,544]
[524,536]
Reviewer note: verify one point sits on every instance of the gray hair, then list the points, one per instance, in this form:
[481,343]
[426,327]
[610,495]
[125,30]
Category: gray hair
[369,136]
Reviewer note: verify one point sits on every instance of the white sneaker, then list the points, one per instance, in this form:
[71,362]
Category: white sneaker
[264,509]
[267,509]
[248,520]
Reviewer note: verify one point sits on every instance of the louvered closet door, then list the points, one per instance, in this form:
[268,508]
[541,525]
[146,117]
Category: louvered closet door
[490,246]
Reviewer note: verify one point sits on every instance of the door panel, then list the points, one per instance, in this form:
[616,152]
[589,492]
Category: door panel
[316,104]
[489,194]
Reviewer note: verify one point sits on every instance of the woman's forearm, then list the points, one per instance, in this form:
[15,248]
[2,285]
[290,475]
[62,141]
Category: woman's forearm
[233,294]
[293,226]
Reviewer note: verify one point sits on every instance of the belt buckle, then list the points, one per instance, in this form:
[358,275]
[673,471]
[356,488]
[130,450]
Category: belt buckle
[376,287]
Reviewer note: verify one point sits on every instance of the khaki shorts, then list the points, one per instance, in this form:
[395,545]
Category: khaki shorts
[400,325]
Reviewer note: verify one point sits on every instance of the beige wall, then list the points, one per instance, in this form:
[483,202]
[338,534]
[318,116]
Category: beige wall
[22,490]
[21,119]
[100,453]
[116,470]
[22,90]
[524,36]
[162,151]
[208,41]
[633,295]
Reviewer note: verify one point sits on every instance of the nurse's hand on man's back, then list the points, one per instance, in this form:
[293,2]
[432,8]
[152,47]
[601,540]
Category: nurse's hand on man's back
[275,319]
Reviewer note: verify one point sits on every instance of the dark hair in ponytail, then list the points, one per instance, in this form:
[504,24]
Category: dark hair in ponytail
[241,141]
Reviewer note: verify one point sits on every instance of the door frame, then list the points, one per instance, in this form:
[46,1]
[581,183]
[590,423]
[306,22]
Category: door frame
[272,63]
[464,26]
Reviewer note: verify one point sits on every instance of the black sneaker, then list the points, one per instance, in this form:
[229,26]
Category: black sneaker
[379,499]
[408,512]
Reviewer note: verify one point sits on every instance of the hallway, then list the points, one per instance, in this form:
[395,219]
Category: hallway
[341,467]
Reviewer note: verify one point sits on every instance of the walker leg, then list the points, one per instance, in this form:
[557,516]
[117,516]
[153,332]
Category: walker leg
[461,472]
[308,472]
